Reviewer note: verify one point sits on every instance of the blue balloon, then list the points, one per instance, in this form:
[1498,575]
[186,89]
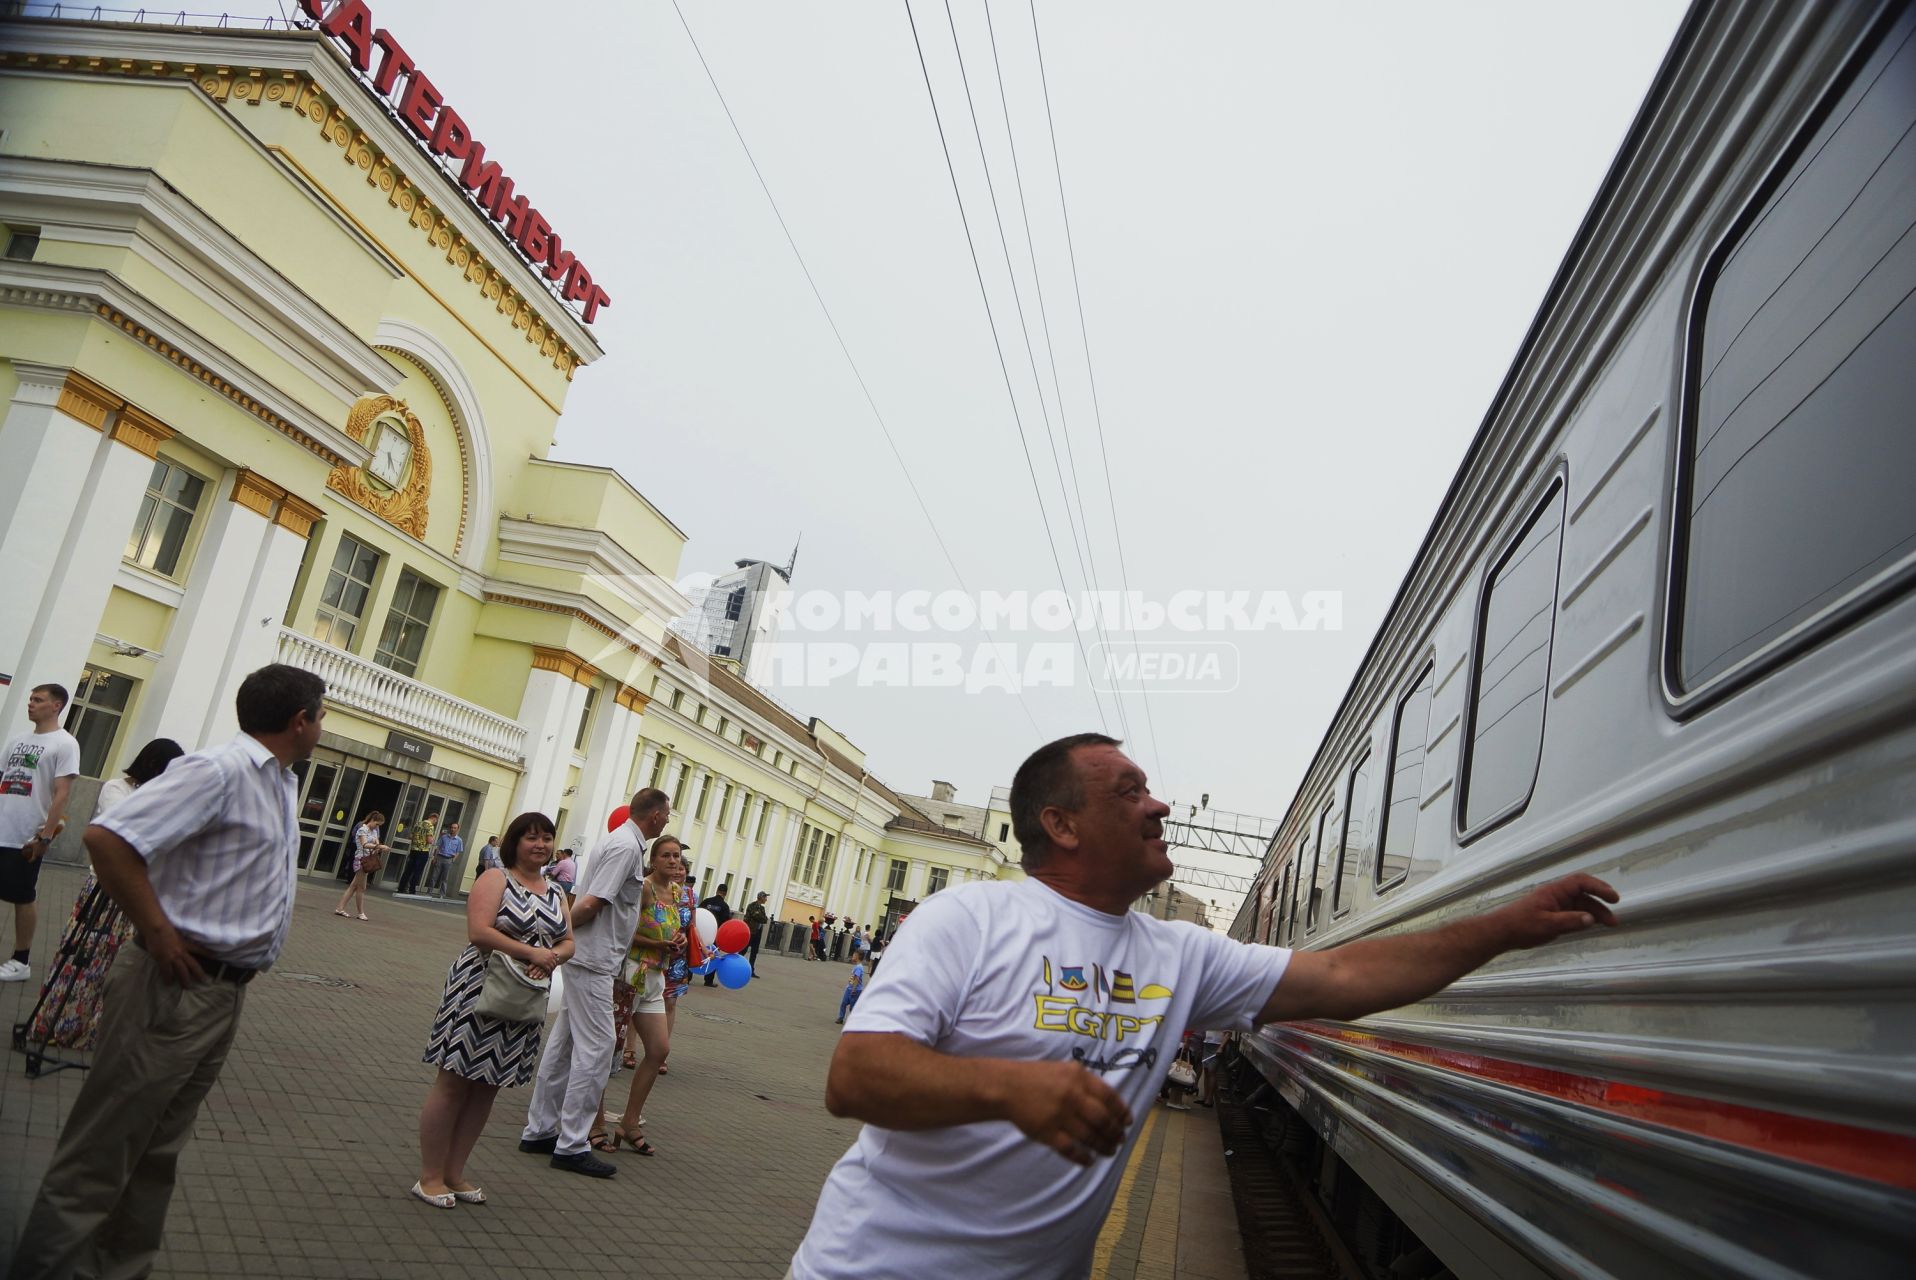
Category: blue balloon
[734,971]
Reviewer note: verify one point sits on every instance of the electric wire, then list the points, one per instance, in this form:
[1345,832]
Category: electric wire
[1117,528]
[1004,366]
[870,401]
[1086,549]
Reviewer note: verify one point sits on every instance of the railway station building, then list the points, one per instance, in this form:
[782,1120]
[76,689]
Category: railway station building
[280,385]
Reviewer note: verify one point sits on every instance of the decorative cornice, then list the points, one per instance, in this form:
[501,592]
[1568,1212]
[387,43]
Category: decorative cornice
[632,700]
[256,493]
[570,611]
[235,79]
[160,346]
[141,431]
[296,514]
[86,400]
[404,508]
[563,663]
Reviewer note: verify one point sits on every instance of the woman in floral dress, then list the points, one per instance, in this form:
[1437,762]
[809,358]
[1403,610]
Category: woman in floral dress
[68,1014]
[515,910]
[644,971]
[678,967]
[367,852]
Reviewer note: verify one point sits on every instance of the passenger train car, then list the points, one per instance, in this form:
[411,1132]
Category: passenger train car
[1661,630]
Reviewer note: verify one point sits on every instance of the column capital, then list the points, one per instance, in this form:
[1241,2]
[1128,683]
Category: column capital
[140,431]
[85,400]
[632,700]
[563,663]
[296,515]
[255,492]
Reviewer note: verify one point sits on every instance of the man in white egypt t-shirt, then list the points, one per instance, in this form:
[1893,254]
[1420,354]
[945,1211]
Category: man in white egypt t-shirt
[1017,1030]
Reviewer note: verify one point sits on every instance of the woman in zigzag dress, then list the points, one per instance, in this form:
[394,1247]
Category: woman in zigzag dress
[512,909]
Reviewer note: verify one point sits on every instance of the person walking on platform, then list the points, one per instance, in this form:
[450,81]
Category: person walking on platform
[203,860]
[445,851]
[996,1128]
[367,855]
[854,988]
[755,919]
[36,776]
[423,836]
[579,1047]
[721,911]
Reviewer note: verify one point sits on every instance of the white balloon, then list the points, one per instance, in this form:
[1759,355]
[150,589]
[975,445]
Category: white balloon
[705,924]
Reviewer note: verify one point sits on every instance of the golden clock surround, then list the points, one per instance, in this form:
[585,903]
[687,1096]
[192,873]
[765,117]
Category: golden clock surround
[404,507]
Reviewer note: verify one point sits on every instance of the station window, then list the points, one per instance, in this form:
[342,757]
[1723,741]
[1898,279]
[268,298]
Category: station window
[705,794]
[1354,843]
[1515,623]
[678,696]
[1004,832]
[21,243]
[1793,508]
[764,816]
[349,585]
[658,770]
[1404,784]
[94,715]
[172,498]
[937,879]
[825,862]
[895,875]
[585,717]
[403,638]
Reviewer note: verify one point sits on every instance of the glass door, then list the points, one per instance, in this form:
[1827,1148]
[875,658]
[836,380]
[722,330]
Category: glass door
[336,826]
[316,792]
[399,831]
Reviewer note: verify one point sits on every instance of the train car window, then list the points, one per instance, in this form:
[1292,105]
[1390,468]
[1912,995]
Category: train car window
[1297,888]
[1797,448]
[1277,907]
[1353,846]
[1515,624]
[1314,907]
[1404,784]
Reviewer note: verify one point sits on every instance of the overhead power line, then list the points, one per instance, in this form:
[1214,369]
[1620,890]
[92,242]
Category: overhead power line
[1117,524]
[845,349]
[997,341]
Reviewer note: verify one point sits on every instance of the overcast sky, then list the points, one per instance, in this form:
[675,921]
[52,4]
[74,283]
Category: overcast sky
[1309,239]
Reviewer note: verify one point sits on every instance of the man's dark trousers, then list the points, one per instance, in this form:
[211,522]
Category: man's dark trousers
[415,868]
[758,936]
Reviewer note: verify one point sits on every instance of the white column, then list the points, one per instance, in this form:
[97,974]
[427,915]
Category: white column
[706,842]
[647,759]
[779,875]
[844,857]
[550,713]
[608,762]
[727,860]
[752,860]
[74,463]
[228,627]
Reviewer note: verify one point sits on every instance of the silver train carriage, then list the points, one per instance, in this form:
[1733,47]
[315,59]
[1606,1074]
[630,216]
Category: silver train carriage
[1661,631]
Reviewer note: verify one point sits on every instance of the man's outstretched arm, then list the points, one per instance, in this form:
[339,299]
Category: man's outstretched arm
[893,1081]
[1382,973]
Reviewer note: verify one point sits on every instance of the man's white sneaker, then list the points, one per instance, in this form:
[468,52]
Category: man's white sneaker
[14,971]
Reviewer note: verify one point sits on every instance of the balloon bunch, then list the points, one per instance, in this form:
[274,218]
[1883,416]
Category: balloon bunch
[724,942]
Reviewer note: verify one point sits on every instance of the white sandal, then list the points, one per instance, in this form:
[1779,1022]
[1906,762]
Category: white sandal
[446,1201]
[475,1196]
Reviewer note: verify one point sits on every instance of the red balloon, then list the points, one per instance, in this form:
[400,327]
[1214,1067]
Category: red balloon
[618,818]
[733,936]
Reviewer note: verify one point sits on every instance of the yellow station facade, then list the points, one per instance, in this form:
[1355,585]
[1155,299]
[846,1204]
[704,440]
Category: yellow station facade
[279,384]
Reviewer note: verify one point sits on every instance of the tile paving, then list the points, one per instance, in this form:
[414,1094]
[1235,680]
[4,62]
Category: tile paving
[305,1149]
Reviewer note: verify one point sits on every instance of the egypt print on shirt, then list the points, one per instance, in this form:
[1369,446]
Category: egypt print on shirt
[22,766]
[1114,1014]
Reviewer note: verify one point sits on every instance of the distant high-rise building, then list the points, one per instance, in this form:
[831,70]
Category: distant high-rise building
[738,612]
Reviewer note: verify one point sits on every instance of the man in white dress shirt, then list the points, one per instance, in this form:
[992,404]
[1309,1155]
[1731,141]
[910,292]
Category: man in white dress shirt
[203,861]
[1021,1028]
[579,1048]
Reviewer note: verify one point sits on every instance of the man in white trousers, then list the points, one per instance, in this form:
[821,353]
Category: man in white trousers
[579,1048]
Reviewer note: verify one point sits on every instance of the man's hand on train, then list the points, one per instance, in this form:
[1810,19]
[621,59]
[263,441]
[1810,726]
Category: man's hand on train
[1551,910]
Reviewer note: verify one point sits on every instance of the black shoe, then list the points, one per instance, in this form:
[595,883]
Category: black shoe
[539,1146]
[584,1162]
[709,982]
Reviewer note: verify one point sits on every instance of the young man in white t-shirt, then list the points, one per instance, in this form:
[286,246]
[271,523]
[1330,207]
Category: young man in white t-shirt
[36,776]
[1021,1027]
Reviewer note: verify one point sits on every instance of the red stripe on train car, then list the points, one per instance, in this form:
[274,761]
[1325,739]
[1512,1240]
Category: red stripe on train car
[1842,1148]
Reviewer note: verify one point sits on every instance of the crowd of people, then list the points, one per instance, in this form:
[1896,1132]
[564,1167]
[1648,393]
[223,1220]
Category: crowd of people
[941,1058]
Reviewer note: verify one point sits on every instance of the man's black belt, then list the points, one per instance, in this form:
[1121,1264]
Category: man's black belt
[218,970]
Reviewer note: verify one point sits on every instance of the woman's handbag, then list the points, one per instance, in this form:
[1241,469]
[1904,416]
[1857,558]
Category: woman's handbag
[509,994]
[1183,1074]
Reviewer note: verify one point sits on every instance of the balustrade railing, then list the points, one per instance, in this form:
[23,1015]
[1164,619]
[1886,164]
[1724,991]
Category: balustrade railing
[412,705]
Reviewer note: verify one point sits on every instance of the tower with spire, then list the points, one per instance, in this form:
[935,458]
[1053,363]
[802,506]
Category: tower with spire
[739,613]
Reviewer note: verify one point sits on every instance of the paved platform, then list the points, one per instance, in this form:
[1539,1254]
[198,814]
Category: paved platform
[306,1148]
